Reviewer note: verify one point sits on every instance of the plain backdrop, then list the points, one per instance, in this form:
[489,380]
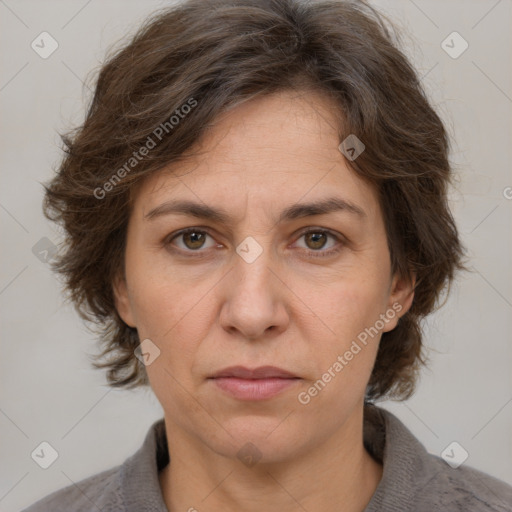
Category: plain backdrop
[48,390]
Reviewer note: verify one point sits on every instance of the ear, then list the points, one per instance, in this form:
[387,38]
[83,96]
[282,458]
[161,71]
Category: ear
[122,300]
[400,299]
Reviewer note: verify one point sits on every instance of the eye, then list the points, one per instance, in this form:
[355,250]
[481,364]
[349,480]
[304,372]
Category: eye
[192,239]
[317,239]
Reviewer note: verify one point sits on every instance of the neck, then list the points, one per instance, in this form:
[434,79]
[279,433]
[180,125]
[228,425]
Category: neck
[338,474]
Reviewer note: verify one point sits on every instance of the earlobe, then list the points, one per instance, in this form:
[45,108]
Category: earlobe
[400,299]
[122,301]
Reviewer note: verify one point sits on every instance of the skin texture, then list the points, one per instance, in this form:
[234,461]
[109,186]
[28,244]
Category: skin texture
[286,309]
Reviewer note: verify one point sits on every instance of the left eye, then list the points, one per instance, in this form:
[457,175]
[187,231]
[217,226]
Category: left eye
[317,239]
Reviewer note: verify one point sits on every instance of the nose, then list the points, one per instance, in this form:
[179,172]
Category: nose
[254,297]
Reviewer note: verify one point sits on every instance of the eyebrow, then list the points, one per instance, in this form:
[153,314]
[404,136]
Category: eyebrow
[219,215]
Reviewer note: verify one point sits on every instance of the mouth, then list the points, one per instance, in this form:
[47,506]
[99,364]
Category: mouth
[258,384]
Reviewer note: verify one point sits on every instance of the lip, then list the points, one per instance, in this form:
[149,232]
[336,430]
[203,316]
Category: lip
[258,384]
[262,372]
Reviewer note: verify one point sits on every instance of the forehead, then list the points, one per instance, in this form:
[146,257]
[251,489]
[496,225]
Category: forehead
[269,152]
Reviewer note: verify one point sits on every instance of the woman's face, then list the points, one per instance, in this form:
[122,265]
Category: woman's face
[265,282]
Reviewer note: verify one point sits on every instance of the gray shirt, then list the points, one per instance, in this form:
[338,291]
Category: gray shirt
[413,480]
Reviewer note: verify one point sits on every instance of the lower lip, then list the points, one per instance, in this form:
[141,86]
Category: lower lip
[254,389]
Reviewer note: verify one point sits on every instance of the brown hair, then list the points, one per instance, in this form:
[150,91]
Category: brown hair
[213,54]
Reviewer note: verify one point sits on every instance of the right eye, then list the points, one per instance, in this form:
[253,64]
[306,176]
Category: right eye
[192,240]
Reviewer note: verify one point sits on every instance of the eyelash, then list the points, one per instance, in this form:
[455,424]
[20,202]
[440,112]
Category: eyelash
[312,253]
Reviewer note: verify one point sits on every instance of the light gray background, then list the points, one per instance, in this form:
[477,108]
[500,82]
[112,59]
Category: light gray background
[48,390]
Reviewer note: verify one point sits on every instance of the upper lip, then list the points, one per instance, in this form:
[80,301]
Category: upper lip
[262,372]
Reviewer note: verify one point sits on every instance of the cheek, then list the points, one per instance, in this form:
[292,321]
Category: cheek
[355,342]
[344,361]
[154,297]
[174,312]
[353,303]
[170,316]
[352,309]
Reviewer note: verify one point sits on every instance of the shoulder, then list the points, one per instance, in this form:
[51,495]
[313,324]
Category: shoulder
[463,489]
[415,480]
[98,492]
[133,485]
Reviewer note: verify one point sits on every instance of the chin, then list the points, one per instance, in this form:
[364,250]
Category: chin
[265,439]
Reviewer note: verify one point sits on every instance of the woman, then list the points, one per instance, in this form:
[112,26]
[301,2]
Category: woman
[256,215]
